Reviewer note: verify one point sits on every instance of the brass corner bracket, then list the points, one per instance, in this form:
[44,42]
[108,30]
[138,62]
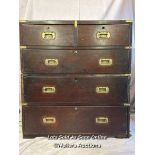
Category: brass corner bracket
[75,23]
[22,21]
[128,47]
[23,47]
[24,104]
[129,21]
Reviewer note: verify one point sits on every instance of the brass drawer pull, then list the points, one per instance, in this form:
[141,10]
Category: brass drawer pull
[103,35]
[102,120]
[51,62]
[102,90]
[49,120]
[48,35]
[48,90]
[105,62]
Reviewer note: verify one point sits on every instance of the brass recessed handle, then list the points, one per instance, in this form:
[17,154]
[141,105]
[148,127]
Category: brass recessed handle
[105,62]
[48,90]
[49,120]
[102,120]
[48,35]
[51,62]
[102,90]
[103,35]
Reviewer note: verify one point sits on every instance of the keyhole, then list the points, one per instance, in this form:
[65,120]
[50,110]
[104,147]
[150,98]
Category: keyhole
[76,80]
[75,52]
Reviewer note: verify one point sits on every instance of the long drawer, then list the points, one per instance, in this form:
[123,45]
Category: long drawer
[112,61]
[76,89]
[47,120]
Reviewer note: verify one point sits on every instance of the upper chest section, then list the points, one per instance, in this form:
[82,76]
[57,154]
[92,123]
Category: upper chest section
[69,34]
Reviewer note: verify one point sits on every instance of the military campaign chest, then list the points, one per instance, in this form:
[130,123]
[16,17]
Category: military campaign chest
[75,77]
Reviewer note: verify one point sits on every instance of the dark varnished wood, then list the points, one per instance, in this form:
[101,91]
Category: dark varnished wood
[75,120]
[32,35]
[76,90]
[68,35]
[75,104]
[120,35]
[75,61]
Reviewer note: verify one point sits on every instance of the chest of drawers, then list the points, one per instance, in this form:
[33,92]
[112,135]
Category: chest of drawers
[75,77]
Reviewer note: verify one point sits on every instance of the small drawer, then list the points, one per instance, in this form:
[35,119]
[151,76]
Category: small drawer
[114,61]
[104,35]
[39,35]
[76,90]
[46,120]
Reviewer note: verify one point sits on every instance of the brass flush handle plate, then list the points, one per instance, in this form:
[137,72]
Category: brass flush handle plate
[103,35]
[102,90]
[102,120]
[49,120]
[48,90]
[48,35]
[51,62]
[105,62]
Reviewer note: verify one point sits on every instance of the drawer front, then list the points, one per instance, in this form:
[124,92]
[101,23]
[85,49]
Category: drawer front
[46,120]
[55,35]
[75,61]
[76,90]
[104,35]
